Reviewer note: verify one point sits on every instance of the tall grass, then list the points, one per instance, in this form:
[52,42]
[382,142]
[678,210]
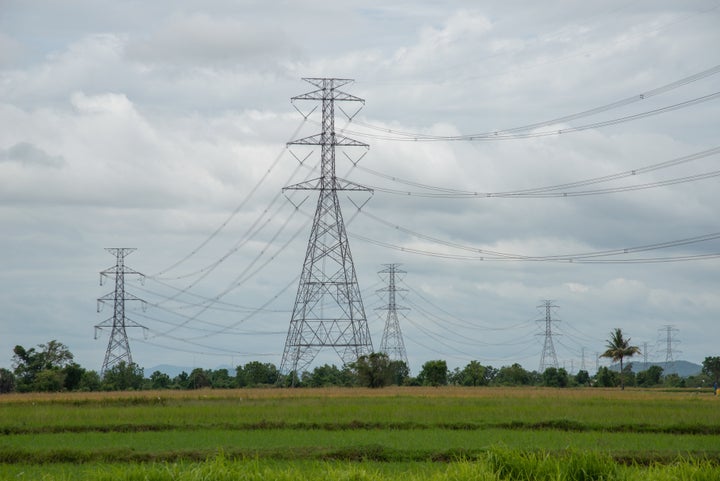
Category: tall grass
[500,464]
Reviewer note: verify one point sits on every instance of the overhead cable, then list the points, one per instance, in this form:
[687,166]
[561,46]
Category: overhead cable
[558,190]
[510,132]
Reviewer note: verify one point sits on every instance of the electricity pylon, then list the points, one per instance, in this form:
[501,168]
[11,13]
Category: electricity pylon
[548,357]
[328,310]
[669,351]
[118,349]
[392,342]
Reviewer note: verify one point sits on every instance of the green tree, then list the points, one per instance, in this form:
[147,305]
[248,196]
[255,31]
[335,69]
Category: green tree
[199,378]
[554,377]
[73,375]
[473,374]
[582,377]
[673,380]
[628,375]
[606,378]
[711,367]
[256,373]
[323,376]
[181,381]
[373,370]
[90,381]
[123,377]
[400,372]
[652,376]
[7,381]
[434,373]
[220,379]
[56,354]
[514,375]
[159,380]
[618,348]
[49,380]
[291,379]
[29,363]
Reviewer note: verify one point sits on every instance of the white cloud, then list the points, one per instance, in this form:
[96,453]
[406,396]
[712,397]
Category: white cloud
[110,103]
[576,287]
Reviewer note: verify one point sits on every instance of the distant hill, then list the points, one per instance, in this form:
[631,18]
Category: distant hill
[681,368]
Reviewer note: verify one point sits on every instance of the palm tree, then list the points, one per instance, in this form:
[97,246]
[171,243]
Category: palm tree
[619,348]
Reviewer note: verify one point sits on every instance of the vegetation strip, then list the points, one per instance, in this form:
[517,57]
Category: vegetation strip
[555,425]
[375,453]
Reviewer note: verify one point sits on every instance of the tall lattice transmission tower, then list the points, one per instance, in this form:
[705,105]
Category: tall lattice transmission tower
[392,342]
[118,349]
[328,310]
[548,358]
[669,351]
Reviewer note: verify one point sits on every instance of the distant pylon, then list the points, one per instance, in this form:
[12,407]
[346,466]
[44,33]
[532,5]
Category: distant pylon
[118,349]
[392,342]
[548,358]
[597,362]
[328,310]
[669,351]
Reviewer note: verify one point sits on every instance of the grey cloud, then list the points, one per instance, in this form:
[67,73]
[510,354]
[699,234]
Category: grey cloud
[26,153]
[10,49]
[204,40]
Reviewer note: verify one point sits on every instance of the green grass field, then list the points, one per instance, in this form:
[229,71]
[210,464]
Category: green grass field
[392,433]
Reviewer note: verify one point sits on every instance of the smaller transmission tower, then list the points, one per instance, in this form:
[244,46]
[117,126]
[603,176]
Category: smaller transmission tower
[669,351]
[548,357]
[118,349]
[392,341]
[597,362]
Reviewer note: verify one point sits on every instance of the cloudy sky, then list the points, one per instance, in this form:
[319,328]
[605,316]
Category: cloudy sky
[162,126]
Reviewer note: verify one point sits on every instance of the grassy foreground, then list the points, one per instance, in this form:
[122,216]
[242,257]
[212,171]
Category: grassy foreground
[496,465]
[387,434]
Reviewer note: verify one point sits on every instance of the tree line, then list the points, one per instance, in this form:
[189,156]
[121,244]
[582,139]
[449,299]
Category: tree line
[50,367]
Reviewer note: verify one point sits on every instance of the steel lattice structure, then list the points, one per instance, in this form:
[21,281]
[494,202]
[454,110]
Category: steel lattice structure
[392,342]
[328,310]
[669,351]
[118,349]
[548,358]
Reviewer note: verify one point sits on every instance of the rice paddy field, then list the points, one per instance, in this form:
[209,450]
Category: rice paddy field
[408,433]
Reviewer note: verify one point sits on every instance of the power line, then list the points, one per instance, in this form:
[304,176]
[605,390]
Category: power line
[552,191]
[462,323]
[582,257]
[232,214]
[243,277]
[531,135]
[507,133]
[252,231]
